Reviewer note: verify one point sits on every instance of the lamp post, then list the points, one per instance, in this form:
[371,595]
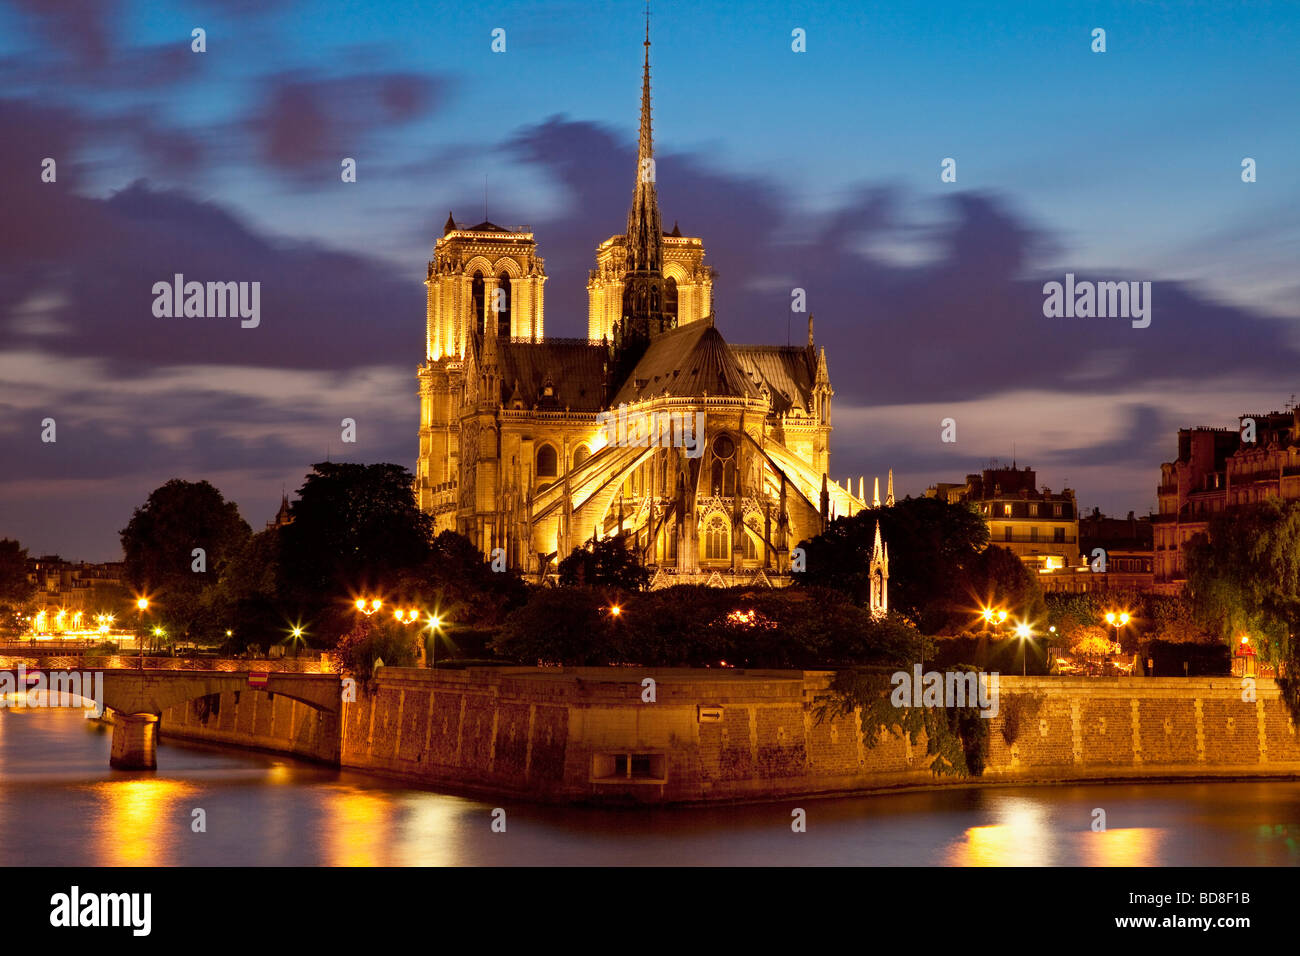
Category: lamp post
[143,605]
[369,607]
[435,623]
[1117,619]
[1023,632]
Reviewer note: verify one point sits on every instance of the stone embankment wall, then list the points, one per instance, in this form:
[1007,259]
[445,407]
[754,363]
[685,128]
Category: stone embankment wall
[586,734]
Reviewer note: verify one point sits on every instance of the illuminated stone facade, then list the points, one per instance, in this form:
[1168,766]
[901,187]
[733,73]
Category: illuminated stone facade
[710,457]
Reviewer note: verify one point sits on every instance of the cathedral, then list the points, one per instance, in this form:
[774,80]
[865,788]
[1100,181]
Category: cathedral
[711,458]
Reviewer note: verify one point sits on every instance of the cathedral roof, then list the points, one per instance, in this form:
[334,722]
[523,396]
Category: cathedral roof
[573,369]
[686,363]
[786,369]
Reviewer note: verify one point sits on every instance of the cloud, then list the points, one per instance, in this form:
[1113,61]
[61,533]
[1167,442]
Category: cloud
[307,125]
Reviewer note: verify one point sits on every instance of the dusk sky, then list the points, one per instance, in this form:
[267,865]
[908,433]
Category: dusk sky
[818,170]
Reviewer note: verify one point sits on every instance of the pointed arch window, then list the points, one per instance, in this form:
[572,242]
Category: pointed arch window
[476,297]
[717,539]
[670,299]
[546,462]
[503,317]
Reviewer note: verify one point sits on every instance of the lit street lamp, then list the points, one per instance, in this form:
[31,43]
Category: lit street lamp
[1117,620]
[369,607]
[142,605]
[1023,632]
[435,623]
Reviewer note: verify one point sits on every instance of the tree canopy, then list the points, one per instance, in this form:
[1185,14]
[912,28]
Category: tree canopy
[941,567]
[1244,575]
[159,544]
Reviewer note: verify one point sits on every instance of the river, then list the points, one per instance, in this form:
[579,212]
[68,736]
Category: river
[60,804]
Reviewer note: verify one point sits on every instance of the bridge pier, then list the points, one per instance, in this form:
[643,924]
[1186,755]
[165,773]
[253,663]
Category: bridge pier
[135,742]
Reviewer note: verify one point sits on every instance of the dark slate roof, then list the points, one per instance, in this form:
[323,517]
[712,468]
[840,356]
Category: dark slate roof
[686,363]
[486,226]
[788,371]
[575,368]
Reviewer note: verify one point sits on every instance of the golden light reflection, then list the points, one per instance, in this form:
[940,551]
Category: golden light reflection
[357,829]
[137,818]
[1131,846]
[1022,840]
[428,827]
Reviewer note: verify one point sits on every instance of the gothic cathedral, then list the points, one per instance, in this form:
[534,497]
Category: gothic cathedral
[710,458]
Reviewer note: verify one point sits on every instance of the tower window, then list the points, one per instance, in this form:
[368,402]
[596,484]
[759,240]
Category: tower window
[503,317]
[476,296]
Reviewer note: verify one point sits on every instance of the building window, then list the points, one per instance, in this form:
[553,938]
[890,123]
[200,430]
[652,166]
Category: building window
[1033,533]
[1056,511]
[503,317]
[1006,511]
[1033,510]
[1058,535]
[581,455]
[1006,532]
[717,544]
[751,549]
[476,294]
[546,462]
[670,299]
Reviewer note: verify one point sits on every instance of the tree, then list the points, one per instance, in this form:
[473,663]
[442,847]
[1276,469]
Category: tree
[941,568]
[560,626]
[356,531]
[15,588]
[606,563]
[162,563]
[458,584]
[1244,575]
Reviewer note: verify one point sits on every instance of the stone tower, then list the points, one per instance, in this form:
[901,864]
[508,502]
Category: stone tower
[482,278]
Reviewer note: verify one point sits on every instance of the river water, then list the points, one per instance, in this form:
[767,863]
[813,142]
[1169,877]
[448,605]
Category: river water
[60,804]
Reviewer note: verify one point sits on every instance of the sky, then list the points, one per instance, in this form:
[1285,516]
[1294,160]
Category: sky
[817,170]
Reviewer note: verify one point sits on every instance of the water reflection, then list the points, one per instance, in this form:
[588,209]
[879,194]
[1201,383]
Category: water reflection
[60,804]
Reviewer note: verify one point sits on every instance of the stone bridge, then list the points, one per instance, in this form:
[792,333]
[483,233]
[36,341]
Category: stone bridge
[137,699]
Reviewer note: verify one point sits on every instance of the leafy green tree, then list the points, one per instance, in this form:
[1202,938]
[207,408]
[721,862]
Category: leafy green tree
[371,639]
[571,626]
[159,544]
[1244,575]
[16,591]
[941,567]
[251,592]
[607,563]
[356,531]
[458,584]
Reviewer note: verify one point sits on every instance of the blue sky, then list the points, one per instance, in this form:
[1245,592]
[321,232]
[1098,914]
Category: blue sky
[818,169]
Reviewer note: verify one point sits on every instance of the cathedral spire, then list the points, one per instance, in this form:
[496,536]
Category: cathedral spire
[644,227]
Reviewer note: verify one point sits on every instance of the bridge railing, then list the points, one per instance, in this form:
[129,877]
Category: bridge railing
[287,665]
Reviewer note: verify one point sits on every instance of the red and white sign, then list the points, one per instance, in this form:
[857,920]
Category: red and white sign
[257,679]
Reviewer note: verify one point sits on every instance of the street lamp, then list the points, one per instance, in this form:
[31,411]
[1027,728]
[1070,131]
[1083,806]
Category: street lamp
[1023,632]
[142,605]
[435,622]
[1117,620]
[369,607]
